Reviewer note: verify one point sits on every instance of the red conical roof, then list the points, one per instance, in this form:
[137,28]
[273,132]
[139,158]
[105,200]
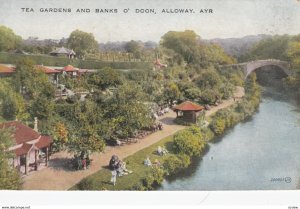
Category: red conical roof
[186,106]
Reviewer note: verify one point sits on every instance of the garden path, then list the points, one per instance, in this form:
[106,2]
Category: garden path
[57,177]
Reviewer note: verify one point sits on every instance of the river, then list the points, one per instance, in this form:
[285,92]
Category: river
[262,153]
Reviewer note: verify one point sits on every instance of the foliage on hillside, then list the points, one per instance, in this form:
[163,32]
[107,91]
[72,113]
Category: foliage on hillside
[286,48]
[9,176]
[8,39]
[186,46]
[118,103]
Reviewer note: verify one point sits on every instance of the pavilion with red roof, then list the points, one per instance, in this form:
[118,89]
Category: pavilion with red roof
[188,111]
[70,70]
[29,146]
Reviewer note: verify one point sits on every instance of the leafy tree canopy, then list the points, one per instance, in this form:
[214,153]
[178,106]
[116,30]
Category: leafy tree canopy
[134,47]
[8,39]
[9,177]
[31,81]
[82,43]
[105,78]
[12,104]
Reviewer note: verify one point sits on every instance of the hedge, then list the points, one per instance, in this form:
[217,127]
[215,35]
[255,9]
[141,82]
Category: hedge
[11,58]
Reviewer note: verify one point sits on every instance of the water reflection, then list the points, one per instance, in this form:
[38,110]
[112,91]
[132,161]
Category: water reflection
[259,154]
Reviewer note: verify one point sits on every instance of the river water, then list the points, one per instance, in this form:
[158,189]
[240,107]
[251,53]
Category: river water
[262,153]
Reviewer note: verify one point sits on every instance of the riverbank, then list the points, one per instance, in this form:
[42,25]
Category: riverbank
[141,174]
[257,154]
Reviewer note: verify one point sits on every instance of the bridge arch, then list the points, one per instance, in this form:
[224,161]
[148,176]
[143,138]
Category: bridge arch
[254,65]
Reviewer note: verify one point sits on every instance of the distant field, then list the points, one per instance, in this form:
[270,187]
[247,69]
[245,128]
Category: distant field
[11,58]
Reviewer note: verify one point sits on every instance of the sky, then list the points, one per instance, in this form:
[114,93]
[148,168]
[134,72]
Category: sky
[230,18]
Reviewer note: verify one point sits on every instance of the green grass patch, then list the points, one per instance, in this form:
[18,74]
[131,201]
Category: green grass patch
[101,179]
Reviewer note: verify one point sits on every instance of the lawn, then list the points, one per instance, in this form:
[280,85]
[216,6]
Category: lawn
[101,179]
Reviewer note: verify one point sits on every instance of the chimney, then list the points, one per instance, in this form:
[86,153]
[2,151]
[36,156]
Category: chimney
[35,124]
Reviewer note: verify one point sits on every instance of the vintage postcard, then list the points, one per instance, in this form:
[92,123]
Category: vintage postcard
[180,95]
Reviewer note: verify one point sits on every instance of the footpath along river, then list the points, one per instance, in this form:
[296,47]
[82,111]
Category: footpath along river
[262,153]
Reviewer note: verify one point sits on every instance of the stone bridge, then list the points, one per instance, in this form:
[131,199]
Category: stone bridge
[249,67]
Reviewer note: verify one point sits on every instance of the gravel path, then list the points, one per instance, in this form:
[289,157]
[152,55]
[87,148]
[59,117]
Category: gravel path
[57,177]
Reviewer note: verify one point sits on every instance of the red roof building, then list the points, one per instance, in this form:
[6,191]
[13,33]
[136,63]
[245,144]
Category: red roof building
[21,133]
[188,111]
[186,106]
[70,68]
[47,70]
[28,144]
[6,70]
[24,149]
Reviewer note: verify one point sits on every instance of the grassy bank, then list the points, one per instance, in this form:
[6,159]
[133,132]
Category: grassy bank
[101,179]
[183,147]
[11,58]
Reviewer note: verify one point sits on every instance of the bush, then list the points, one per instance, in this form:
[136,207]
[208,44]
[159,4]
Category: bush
[227,118]
[138,187]
[158,176]
[154,178]
[207,133]
[174,164]
[218,126]
[189,142]
[209,96]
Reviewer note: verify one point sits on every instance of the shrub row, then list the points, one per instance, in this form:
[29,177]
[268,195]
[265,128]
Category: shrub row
[227,118]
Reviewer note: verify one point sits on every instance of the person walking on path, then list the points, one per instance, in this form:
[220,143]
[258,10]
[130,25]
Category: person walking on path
[113,177]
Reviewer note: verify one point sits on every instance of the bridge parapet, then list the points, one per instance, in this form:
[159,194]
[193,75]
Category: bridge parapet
[249,67]
[252,66]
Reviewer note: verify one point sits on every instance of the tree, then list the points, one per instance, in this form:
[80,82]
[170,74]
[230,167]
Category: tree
[274,47]
[213,53]
[82,43]
[41,107]
[208,79]
[184,43]
[209,96]
[293,52]
[85,143]
[8,39]
[171,93]
[192,93]
[12,105]
[125,113]
[9,177]
[105,78]
[32,82]
[133,47]
[188,46]
[84,127]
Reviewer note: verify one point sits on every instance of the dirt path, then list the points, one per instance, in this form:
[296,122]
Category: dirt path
[240,92]
[56,177]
